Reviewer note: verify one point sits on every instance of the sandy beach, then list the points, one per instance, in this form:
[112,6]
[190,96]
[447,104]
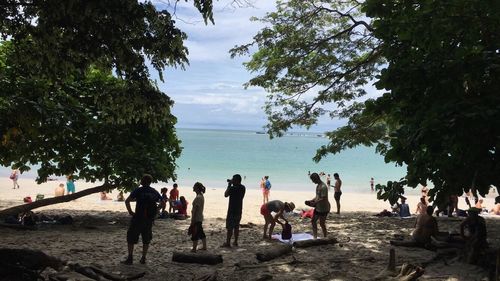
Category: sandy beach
[98,236]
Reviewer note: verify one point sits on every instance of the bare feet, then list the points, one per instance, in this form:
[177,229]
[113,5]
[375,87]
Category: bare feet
[193,250]
[203,249]
[235,244]
[225,245]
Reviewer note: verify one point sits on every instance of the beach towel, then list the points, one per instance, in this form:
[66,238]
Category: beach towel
[295,237]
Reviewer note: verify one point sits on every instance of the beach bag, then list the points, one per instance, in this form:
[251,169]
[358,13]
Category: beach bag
[27,199]
[12,176]
[286,234]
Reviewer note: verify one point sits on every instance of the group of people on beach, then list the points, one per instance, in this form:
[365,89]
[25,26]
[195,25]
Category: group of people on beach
[146,209]
[148,201]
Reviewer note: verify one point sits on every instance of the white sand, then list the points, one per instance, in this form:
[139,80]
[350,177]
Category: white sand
[98,236]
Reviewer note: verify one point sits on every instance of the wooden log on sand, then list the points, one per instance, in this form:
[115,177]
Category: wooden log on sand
[274,252]
[201,258]
[314,242]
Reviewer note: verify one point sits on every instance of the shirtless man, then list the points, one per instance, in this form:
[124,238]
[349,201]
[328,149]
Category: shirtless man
[338,192]
[473,231]
[496,208]
[425,227]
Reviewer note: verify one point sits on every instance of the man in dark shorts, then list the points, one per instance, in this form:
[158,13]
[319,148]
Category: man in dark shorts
[321,205]
[235,191]
[141,223]
[338,192]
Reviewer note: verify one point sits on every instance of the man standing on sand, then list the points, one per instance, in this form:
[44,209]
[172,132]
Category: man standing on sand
[141,223]
[236,192]
[338,193]
[321,205]
[328,181]
[372,182]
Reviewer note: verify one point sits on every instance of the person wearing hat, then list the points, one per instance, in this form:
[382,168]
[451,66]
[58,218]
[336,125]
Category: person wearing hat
[278,207]
[403,208]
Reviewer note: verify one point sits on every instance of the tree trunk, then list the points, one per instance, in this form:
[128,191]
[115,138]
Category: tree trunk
[314,242]
[51,201]
[204,258]
[274,252]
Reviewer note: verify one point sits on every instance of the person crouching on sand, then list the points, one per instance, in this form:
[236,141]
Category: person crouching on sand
[277,207]
[321,205]
[196,227]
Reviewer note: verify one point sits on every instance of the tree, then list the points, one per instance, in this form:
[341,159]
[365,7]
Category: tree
[76,96]
[437,62]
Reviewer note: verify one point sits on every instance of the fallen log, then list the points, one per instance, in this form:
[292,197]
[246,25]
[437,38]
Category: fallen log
[314,242]
[274,252]
[30,259]
[201,258]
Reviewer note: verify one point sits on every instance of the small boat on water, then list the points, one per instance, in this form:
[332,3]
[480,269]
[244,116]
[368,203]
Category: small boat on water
[260,133]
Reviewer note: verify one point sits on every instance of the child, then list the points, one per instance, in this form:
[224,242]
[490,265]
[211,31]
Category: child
[196,227]
[174,196]
[164,199]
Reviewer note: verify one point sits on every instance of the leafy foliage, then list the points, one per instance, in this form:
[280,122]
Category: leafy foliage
[87,126]
[75,91]
[62,35]
[438,62]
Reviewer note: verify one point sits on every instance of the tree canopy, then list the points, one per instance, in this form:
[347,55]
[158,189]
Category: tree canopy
[437,63]
[76,95]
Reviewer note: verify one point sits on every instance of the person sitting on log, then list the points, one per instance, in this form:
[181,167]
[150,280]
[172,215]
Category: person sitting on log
[473,231]
[278,207]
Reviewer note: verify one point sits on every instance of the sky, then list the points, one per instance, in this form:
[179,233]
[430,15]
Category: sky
[209,93]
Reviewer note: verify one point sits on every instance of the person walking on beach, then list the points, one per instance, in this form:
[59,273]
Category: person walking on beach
[236,192]
[372,182]
[277,207]
[14,176]
[338,192]
[267,187]
[174,196]
[70,185]
[328,181]
[196,227]
[321,205]
[142,220]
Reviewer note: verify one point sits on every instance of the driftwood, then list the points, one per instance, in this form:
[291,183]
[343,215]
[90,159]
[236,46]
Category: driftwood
[407,272]
[14,211]
[16,263]
[29,259]
[314,242]
[200,258]
[274,252]
[497,267]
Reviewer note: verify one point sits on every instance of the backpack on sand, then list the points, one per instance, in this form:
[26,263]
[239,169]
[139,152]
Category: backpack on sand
[286,234]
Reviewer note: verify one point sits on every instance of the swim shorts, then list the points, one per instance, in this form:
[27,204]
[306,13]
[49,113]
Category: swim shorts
[337,195]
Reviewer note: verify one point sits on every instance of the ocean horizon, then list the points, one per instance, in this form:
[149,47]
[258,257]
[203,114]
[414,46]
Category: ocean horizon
[211,156]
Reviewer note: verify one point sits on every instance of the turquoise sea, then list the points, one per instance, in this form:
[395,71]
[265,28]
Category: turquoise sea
[212,156]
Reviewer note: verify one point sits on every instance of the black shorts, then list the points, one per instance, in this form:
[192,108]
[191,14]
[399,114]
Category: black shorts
[140,227]
[320,214]
[232,221]
[198,232]
[337,194]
